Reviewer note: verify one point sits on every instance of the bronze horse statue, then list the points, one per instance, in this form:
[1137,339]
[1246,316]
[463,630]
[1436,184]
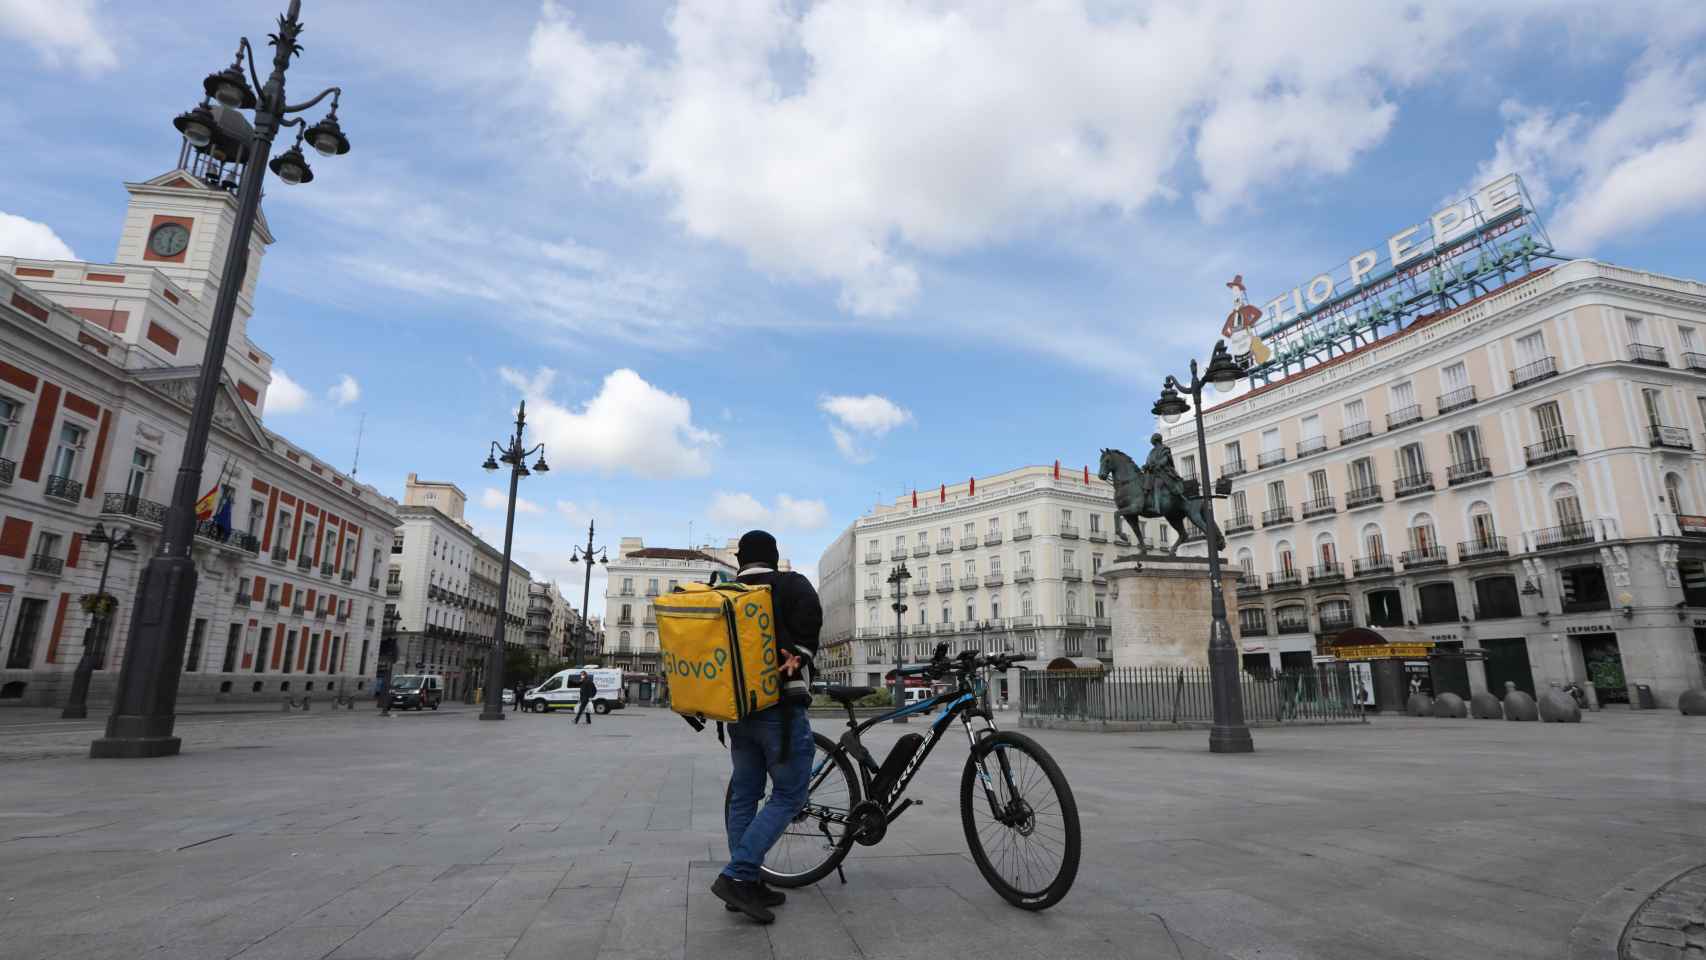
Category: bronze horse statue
[1133,500]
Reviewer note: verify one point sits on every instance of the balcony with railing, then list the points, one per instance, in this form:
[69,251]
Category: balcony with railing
[280,554]
[1456,399]
[992,538]
[304,562]
[1572,534]
[298,609]
[1075,620]
[1558,446]
[1285,579]
[1404,416]
[1694,361]
[1285,622]
[1068,532]
[1277,516]
[246,542]
[1270,458]
[1351,433]
[373,584]
[920,587]
[243,598]
[1310,446]
[1098,535]
[1482,548]
[1071,572]
[1233,468]
[1468,471]
[1024,575]
[1671,438]
[1409,486]
[1424,556]
[1318,507]
[1026,622]
[46,564]
[1238,523]
[1372,565]
[1022,532]
[272,606]
[994,579]
[126,506]
[7,470]
[393,588]
[63,488]
[1250,586]
[1330,570]
[1530,373]
[945,585]
[1362,496]
[921,550]
[968,583]
[873,593]
[898,554]
[944,546]
[327,569]
[1333,621]
[1648,354]
[1253,623]
[873,558]
[968,543]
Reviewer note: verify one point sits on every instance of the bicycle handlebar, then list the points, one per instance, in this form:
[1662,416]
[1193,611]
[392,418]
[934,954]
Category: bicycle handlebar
[941,664]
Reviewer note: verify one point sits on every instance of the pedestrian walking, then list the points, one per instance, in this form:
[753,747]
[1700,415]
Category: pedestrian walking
[519,689]
[756,744]
[589,692]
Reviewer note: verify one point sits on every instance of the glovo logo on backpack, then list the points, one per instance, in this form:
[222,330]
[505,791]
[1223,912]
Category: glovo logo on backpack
[719,650]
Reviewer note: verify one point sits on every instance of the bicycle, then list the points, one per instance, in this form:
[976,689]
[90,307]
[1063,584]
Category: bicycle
[1023,830]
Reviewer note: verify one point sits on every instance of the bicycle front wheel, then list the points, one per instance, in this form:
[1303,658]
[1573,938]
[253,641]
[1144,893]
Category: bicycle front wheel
[811,845]
[1022,822]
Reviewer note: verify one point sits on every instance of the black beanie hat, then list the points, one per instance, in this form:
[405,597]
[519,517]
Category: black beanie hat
[756,546]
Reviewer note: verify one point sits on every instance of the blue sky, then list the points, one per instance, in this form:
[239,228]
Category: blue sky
[764,263]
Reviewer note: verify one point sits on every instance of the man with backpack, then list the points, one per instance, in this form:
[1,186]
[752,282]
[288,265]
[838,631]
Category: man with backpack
[589,693]
[775,743]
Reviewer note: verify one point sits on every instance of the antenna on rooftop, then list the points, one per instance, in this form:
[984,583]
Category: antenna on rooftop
[359,430]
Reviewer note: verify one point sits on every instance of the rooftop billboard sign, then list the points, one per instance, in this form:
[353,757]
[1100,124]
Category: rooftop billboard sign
[1464,250]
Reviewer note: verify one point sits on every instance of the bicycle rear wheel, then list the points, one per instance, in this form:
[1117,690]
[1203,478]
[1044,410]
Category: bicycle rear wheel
[811,846]
[1025,840]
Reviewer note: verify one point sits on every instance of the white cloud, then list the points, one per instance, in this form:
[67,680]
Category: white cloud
[849,140]
[62,32]
[744,511]
[21,237]
[872,414]
[630,426]
[345,392]
[1618,173]
[285,395]
[494,499]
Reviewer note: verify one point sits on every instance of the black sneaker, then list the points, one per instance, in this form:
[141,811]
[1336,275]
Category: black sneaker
[742,896]
[764,894]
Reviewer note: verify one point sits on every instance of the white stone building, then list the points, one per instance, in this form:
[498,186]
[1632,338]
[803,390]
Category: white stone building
[1006,562]
[550,618]
[1521,476]
[98,370]
[443,582]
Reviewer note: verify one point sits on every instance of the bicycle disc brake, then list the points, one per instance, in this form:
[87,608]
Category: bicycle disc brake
[868,822]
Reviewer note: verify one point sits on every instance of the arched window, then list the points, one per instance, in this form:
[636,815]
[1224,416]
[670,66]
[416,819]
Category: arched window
[1373,543]
[947,613]
[1481,528]
[1284,562]
[1025,603]
[1424,541]
[871,616]
[1673,494]
[1071,602]
[1247,561]
[622,641]
[1326,551]
[995,607]
[971,610]
[1566,508]
[651,640]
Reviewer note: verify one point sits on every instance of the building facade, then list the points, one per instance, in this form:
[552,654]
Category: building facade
[550,618]
[1007,562]
[637,575]
[98,372]
[1521,476]
[443,584]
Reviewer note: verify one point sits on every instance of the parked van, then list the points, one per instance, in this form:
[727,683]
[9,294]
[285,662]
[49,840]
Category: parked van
[562,691]
[419,691]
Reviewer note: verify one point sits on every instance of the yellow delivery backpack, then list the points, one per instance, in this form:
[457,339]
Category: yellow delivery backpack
[719,650]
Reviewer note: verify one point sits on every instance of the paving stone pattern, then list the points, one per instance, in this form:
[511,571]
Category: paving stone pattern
[1671,925]
[343,835]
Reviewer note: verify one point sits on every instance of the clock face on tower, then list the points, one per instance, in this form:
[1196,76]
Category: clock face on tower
[169,239]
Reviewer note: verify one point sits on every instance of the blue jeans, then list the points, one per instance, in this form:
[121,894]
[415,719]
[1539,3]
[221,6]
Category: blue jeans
[755,746]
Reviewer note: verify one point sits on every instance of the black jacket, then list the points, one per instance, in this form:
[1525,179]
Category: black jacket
[799,615]
[588,688]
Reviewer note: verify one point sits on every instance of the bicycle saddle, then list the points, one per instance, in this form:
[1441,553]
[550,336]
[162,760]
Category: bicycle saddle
[845,695]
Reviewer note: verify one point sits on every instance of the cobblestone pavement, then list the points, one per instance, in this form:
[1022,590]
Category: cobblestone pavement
[1672,924]
[342,835]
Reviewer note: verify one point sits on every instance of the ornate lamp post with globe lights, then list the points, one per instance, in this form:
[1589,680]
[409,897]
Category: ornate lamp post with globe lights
[142,719]
[1229,734]
[514,453]
[591,557]
[898,579]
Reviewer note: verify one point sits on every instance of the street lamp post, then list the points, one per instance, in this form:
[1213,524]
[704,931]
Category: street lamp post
[143,712]
[1229,733]
[387,657]
[898,579]
[514,453]
[95,635]
[588,556]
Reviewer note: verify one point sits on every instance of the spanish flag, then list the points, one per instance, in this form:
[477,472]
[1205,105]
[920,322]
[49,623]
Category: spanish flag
[205,507]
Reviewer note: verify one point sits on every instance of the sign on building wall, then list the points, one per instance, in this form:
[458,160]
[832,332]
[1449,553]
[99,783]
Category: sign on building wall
[1464,250]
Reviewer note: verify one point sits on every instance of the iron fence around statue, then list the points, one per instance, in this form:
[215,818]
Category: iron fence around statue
[1181,695]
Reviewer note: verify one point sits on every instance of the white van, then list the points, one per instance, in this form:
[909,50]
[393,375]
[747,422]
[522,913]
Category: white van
[561,691]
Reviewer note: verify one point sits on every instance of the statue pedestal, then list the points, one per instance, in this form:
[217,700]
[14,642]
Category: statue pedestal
[1162,610]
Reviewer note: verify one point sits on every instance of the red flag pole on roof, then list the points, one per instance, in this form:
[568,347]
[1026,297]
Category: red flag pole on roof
[943,494]
[1086,474]
[915,499]
[973,491]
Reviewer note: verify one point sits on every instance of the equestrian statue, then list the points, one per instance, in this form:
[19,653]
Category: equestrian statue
[1153,490]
